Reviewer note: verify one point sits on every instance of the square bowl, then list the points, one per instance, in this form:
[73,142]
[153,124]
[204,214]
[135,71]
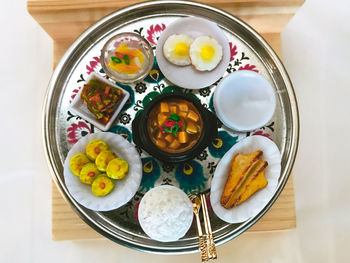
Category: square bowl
[79,107]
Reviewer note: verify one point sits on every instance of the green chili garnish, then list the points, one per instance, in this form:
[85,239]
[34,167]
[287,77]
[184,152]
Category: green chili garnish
[175,129]
[116,60]
[174,117]
[126,60]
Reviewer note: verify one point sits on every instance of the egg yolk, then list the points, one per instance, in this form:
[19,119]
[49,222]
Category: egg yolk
[207,52]
[181,49]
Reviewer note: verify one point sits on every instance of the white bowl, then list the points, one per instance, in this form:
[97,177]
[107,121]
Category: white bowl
[244,100]
[78,107]
[165,200]
[187,76]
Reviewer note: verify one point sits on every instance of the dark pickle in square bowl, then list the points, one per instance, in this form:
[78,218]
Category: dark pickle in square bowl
[174,127]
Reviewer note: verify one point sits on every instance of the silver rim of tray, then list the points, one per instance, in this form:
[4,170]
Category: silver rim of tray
[164,8]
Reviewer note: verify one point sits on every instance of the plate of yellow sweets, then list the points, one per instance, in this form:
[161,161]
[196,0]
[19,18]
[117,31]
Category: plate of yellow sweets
[245,179]
[102,171]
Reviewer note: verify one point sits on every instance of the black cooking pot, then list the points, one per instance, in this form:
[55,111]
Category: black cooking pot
[141,137]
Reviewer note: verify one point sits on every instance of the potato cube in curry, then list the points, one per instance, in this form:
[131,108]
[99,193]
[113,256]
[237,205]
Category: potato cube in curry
[173,109]
[169,138]
[182,114]
[191,127]
[161,143]
[161,117]
[193,116]
[183,107]
[183,137]
[164,107]
[174,145]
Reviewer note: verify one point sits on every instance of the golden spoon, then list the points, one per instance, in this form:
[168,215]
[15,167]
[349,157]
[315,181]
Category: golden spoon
[196,204]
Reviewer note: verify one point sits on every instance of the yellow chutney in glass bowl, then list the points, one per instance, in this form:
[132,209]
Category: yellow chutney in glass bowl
[127,57]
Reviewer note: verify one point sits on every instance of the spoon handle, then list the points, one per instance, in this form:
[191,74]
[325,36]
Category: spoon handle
[200,232]
[202,241]
[203,248]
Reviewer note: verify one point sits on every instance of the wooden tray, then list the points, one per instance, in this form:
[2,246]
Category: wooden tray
[65,20]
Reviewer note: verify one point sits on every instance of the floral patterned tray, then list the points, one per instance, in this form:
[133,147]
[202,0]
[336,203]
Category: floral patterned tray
[62,129]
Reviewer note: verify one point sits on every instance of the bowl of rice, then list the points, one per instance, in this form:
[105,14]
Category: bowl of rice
[165,213]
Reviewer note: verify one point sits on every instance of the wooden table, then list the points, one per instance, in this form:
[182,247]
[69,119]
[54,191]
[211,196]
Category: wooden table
[65,20]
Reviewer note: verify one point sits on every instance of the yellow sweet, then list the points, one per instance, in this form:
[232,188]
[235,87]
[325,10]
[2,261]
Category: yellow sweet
[94,148]
[88,173]
[102,185]
[77,162]
[117,168]
[103,159]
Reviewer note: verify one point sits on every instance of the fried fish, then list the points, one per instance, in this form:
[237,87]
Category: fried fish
[245,178]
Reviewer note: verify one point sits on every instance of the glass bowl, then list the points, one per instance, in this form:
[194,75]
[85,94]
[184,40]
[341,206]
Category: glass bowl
[134,42]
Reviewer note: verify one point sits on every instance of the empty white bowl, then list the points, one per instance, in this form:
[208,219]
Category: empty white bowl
[244,100]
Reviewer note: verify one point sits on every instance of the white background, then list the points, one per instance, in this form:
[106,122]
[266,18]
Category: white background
[316,54]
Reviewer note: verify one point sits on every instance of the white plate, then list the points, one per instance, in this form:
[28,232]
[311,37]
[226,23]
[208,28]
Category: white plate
[259,200]
[124,189]
[244,100]
[78,107]
[187,76]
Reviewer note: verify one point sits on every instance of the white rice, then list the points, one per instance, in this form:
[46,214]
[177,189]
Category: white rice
[165,213]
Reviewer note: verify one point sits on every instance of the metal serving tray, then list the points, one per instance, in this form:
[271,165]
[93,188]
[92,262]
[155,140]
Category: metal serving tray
[61,129]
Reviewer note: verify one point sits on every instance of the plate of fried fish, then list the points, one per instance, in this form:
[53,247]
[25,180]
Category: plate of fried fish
[245,179]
